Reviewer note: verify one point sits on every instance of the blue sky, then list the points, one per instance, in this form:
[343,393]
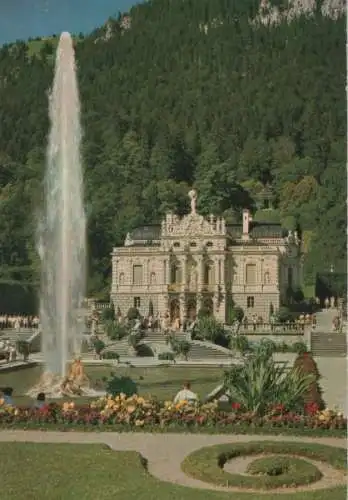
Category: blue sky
[21,19]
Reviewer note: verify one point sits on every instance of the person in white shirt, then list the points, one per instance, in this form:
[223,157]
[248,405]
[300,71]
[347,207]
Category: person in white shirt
[186,394]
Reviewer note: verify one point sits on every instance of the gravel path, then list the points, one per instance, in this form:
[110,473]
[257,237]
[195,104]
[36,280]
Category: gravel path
[165,452]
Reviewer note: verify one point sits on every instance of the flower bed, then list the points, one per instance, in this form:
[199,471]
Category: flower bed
[207,464]
[132,413]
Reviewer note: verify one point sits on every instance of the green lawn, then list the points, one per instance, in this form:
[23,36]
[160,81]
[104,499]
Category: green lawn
[93,472]
[162,382]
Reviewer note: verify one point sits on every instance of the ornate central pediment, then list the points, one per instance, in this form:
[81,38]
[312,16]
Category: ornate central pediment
[190,225]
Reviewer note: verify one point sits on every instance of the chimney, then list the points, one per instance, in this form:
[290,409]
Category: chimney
[246,223]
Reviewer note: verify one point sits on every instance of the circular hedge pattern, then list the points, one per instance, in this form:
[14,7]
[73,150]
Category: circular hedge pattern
[207,464]
[278,472]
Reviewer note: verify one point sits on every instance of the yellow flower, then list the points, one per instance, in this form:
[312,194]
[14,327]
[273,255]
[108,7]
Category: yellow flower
[131,409]
[65,406]
[71,405]
[141,401]
[139,423]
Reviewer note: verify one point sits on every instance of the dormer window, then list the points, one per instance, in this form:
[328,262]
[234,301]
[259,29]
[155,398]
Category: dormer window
[176,244]
[209,244]
[193,244]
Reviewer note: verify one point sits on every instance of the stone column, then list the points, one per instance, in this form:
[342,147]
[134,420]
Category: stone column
[182,308]
[200,272]
[184,271]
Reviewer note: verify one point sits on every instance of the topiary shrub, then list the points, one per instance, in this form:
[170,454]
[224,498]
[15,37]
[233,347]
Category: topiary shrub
[306,365]
[133,314]
[111,355]
[120,385]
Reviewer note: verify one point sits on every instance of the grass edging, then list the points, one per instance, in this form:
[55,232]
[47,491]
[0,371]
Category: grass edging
[206,464]
[282,471]
[177,429]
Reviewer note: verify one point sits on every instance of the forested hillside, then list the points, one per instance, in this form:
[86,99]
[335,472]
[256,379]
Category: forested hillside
[193,93]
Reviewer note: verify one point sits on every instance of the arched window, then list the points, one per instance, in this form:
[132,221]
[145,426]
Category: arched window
[152,278]
[121,279]
[267,278]
[250,274]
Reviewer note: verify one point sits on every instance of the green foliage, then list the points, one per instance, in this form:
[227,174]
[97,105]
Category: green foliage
[180,347]
[204,312]
[114,330]
[283,314]
[133,314]
[236,314]
[108,314]
[284,471]
[111,355]
[216,112]
[98,346]
[208,328]
[120,385]
[207,464]
[260,383]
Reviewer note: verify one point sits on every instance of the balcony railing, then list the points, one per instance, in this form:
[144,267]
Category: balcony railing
[174,287]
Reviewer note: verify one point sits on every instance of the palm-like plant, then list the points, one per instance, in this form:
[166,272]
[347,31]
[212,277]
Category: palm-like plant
[261,383]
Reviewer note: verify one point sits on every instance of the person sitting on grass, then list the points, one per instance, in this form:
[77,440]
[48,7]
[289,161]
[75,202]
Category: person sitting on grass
[40,401]
[186,394]
[7,396]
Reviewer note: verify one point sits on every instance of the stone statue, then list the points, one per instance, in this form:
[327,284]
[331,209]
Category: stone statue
[193,197]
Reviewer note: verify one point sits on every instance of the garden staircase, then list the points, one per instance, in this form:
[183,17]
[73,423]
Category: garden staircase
[332,345]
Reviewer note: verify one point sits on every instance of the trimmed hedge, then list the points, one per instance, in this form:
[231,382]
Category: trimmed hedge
[273,472]
[174,428]
[207,464]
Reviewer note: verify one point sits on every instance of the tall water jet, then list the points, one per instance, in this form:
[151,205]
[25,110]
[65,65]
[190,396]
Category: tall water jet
[62,238]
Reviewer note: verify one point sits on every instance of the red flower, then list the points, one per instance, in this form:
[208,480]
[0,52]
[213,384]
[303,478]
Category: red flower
[236,406]
[311,408]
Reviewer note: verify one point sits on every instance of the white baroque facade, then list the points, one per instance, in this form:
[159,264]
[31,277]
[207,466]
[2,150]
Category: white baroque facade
[186,263]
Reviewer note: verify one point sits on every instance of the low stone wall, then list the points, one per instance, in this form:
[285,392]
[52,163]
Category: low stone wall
[279,338]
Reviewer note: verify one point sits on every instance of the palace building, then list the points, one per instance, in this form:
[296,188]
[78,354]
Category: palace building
[184,264]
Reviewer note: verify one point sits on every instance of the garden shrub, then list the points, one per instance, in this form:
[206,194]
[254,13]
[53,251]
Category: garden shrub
[111,355]
[114,330]
[120,385]
[108,314]
[305,364]
[207,464]
[133,314]
[210,329]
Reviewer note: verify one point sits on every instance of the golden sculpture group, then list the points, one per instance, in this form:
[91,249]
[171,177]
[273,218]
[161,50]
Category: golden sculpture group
[75,383]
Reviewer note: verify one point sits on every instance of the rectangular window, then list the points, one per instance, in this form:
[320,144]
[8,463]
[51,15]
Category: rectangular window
[136,301]
[250,274]
[137,274]
[250,302]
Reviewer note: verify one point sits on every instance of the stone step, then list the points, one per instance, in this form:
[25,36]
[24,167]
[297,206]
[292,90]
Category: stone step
[328,345]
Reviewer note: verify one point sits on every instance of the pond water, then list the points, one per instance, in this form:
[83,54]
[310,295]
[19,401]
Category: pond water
[162,382]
